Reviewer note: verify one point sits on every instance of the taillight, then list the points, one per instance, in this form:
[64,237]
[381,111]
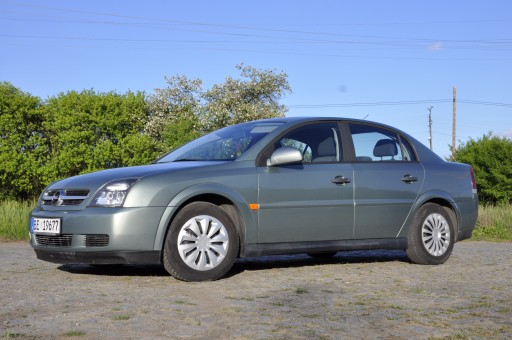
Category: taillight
[473,180]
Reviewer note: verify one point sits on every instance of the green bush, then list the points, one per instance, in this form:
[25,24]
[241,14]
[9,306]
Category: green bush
[79,132]
[91,131]
[22,144]
[491,158]
[69,134]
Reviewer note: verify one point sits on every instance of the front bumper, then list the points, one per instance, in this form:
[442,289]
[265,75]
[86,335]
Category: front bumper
[100,236]
[100,257]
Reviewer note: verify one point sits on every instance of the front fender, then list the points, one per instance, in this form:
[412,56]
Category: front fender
[248,229]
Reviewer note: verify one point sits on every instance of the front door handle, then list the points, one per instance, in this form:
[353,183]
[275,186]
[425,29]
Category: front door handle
[340,180]
[409,179]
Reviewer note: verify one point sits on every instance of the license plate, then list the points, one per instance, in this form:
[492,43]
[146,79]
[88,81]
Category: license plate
[45,225]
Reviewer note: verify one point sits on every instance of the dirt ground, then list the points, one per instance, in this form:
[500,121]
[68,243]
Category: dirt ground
[364,294]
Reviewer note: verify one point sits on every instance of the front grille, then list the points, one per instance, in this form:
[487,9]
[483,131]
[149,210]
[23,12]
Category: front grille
[65,197]
[96,240]
[54,241]
[90,240]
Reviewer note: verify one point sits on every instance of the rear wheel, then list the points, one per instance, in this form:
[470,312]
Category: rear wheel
[201,244]
[431,236]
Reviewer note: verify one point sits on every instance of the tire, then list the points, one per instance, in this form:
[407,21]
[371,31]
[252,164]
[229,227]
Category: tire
[322,255]
[431,236]
[201,244]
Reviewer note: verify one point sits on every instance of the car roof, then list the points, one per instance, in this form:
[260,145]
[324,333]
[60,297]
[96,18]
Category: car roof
[326,118]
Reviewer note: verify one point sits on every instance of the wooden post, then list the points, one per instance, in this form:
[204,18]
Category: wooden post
[430,124]
[454,127]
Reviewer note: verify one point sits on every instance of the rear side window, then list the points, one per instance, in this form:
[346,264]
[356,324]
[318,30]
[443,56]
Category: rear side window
[374,144]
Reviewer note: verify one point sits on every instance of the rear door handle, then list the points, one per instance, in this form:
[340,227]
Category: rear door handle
[409,179]
[340,180]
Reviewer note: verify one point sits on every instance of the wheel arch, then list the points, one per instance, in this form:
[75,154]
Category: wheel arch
[442,199]
[231,202]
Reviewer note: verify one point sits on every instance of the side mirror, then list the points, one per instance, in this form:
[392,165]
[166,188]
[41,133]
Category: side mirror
[285,155]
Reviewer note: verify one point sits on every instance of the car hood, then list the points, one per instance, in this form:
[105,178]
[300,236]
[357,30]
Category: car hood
[93,181]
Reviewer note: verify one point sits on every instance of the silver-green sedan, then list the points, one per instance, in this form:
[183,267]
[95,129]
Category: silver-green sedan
[277,186]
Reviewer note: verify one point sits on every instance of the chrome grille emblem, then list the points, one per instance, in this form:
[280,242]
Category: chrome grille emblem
[56,200]
[64,197]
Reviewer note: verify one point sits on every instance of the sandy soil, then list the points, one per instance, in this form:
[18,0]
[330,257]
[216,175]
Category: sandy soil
[368,294]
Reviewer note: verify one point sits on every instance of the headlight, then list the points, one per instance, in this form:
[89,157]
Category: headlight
[113,194]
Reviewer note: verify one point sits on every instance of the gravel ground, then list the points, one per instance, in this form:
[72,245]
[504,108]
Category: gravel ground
[364,294]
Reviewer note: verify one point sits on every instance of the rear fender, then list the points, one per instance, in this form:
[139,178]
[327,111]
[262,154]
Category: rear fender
[436,196]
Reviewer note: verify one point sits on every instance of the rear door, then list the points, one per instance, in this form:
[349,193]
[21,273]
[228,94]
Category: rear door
[387,180]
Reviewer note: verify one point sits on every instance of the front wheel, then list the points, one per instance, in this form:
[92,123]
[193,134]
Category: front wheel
[201,244]
[431,236]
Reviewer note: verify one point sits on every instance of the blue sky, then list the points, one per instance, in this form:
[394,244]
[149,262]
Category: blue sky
[387,61]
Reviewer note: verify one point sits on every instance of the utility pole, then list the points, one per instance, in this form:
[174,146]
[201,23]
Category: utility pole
[454,127]
[430,125]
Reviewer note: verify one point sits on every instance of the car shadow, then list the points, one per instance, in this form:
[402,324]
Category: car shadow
[114,270]
[247,264]
[303,260]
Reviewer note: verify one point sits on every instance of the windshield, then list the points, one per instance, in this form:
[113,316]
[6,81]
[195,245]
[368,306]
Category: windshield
[222,145]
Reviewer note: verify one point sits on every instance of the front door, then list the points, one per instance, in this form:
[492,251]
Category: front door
[312,201]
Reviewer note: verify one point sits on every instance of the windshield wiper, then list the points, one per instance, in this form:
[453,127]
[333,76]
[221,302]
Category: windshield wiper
[186,160]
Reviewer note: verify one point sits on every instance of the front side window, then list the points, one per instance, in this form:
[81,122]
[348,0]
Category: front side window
[319,143]
[373,144]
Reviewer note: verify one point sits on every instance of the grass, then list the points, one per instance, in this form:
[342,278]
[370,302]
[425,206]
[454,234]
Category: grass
[301,290]
[74,333]
[121,317]
[9,335]
[14,220]
[494,222]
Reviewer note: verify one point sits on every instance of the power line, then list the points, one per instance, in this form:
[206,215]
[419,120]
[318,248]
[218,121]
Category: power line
[307,37]
[504,44]
[477,102]
[402,102]
[394,23]
[261,51]
[255,28]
